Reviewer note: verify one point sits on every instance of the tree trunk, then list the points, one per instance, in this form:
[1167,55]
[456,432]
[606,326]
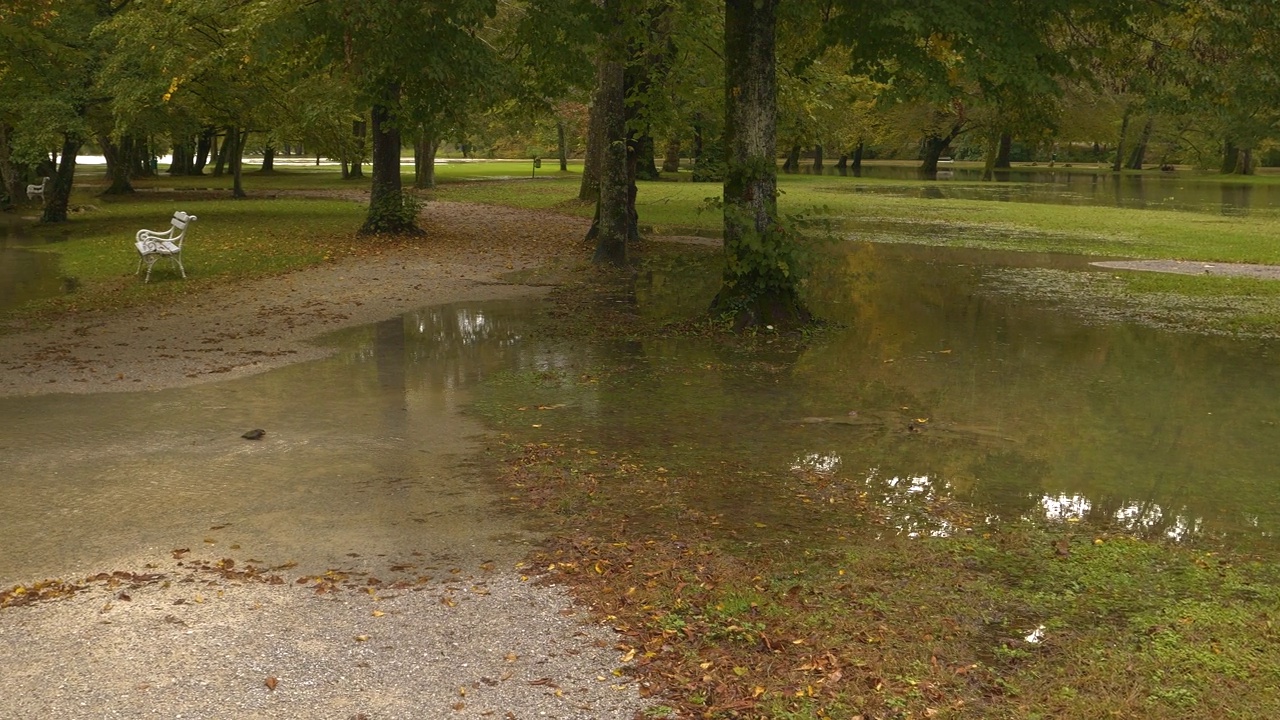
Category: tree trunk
[388,211]
[228,141]
[760,278]
[424,160]
[268,160]
[1004,151]
[1139,156]
[58,197]
[857,159]
[562,147]
[236,139]
[613,227]
[10,178]
[792,162]
[590,187]
[1118,163]
[1230,158]
[934,146]
[203,146]
[117,167]
[1244,162]
[671,158]
[645,162]
[991,157]
[817,159]
[359,131]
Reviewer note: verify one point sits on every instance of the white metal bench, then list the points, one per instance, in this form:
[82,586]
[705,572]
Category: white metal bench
[154,244]
[34,190]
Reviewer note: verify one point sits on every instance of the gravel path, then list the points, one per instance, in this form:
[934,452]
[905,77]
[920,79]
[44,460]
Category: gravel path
[168,638]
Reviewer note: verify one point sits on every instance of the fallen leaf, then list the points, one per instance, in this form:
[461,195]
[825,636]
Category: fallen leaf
[361,638]
[271,683]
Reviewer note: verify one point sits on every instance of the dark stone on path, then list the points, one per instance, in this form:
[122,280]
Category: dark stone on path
[254,434]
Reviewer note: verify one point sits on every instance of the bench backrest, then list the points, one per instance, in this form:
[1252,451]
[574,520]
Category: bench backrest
[180,222]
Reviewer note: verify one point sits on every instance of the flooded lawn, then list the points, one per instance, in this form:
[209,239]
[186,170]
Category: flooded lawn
[362,463]
[936,388]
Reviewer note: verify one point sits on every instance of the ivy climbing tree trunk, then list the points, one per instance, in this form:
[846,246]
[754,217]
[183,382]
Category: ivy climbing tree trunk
[760,283]
[389,213]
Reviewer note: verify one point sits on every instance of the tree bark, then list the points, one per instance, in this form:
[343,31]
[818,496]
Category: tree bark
[236,139]
[58,197]
[590,187]
[562,147]
[1244,162]
[671,158]
[359,131]
[613,226]
[934,145]
[1139,156]
[1004,152]
[1118,164]
[424,160]
[817,159]
[792,162]
[9,176]
[1230,157]
[228,142]
[268,160]
[388,211]
[203,146]
[760,278]
[117,167]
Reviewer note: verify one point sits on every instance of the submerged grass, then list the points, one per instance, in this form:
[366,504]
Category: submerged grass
[834,613]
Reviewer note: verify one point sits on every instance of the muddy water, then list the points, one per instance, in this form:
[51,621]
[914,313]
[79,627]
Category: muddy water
[362,464]
[937,387]
[1181,190]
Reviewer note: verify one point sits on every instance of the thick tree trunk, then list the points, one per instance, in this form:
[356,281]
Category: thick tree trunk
[1244,162]
[389,213]
[590,187]
[268,160]
[857,159]
[613,227]
[203,146]
[1004,151]
[117,167]
[1139,156]
[934,146]
[991,157]
[1230,157]
[817,159]
[58,197]
[646,163]
[760,279]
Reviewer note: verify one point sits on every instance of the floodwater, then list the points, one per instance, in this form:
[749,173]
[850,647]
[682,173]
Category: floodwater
[1181,190]
[935,387]
[364,461]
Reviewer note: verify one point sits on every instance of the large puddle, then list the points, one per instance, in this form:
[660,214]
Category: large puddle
[935,387]
[362,464]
